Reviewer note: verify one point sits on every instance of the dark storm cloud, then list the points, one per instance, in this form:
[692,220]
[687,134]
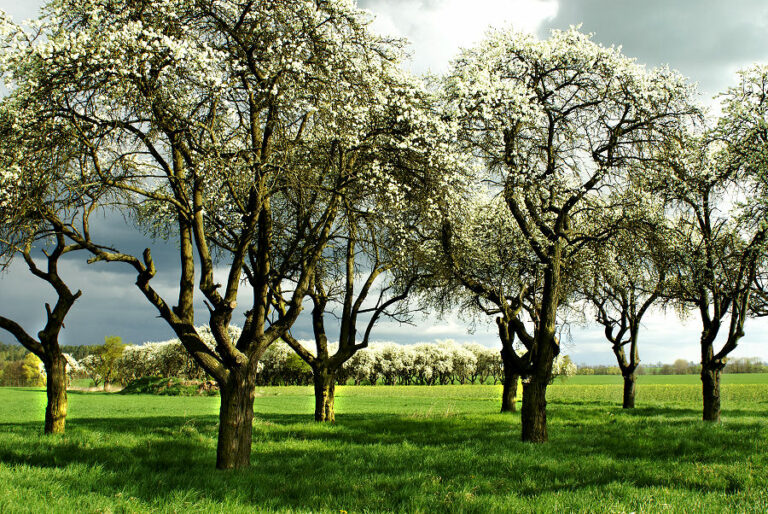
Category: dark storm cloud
[111,303]
[706,40]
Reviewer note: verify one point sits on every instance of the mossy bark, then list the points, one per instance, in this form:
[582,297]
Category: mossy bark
[56,389]
[325,386]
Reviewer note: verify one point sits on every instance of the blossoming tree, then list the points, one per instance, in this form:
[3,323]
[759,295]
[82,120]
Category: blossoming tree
[480,265]
[30,178]
[233,128]
[355,282]
[626,277]
[554,122]
[715,180]
[366,272]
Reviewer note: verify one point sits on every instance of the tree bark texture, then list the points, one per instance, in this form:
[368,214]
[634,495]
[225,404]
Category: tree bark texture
[325,386]
[710,381]
[630,387]
[56,388]
[236,422]
[509,393]
[534,411]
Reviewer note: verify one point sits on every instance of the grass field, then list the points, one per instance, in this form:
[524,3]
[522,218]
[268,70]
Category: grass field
[397,449]
[727,378]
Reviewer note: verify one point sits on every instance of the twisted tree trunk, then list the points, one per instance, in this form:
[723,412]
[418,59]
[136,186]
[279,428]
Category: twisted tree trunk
[510,372]
[544,347]
[236,421]
[325,386]
[509,393]
[534,412]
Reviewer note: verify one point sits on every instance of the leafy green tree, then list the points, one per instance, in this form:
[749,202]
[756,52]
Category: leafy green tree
[31,370]
[12,352]
[13,373]
[108,357]
[681,366]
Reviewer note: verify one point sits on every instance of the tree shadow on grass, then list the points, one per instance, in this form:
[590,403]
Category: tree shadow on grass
[397,462]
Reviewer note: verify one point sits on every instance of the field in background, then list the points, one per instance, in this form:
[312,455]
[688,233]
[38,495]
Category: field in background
[402,449]
[727,378]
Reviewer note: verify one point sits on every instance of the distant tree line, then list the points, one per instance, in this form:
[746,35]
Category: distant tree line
[19,370]
[679,367]
[385,363]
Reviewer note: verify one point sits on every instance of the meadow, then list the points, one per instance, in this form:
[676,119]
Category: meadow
[396,449]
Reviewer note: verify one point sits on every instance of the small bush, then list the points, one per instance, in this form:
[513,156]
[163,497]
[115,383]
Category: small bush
[171,387]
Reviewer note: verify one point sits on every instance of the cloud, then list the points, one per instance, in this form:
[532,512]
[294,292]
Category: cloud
[664,338]
[707,40]
[21,10]
[110,305]
[438,28]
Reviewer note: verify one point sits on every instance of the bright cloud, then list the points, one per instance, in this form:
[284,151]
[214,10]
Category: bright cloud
[438,28]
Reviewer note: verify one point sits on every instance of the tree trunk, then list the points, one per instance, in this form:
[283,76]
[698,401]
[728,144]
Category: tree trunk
[236,421]
[710,381]
[630,386]
[56,388]
[534,412]
[324,395]
[510,378]
[509,393]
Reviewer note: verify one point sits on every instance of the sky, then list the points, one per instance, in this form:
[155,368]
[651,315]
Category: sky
[706,40]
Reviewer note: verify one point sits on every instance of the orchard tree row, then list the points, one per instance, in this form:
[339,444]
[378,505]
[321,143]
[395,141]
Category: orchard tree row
[442,362]
[283,149]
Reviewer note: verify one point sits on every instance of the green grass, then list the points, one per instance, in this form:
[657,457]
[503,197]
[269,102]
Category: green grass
[395,449]
[727,378]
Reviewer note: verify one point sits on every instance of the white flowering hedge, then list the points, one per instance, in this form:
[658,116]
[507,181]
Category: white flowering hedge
[154,359]
[163,359]
[441,362]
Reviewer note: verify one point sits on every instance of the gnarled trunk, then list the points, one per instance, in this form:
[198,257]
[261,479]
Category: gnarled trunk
[325,386]
[236,421]
[630,387]
[710,381]
[534,411]
[56,389]
[509,393]
[544,348]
